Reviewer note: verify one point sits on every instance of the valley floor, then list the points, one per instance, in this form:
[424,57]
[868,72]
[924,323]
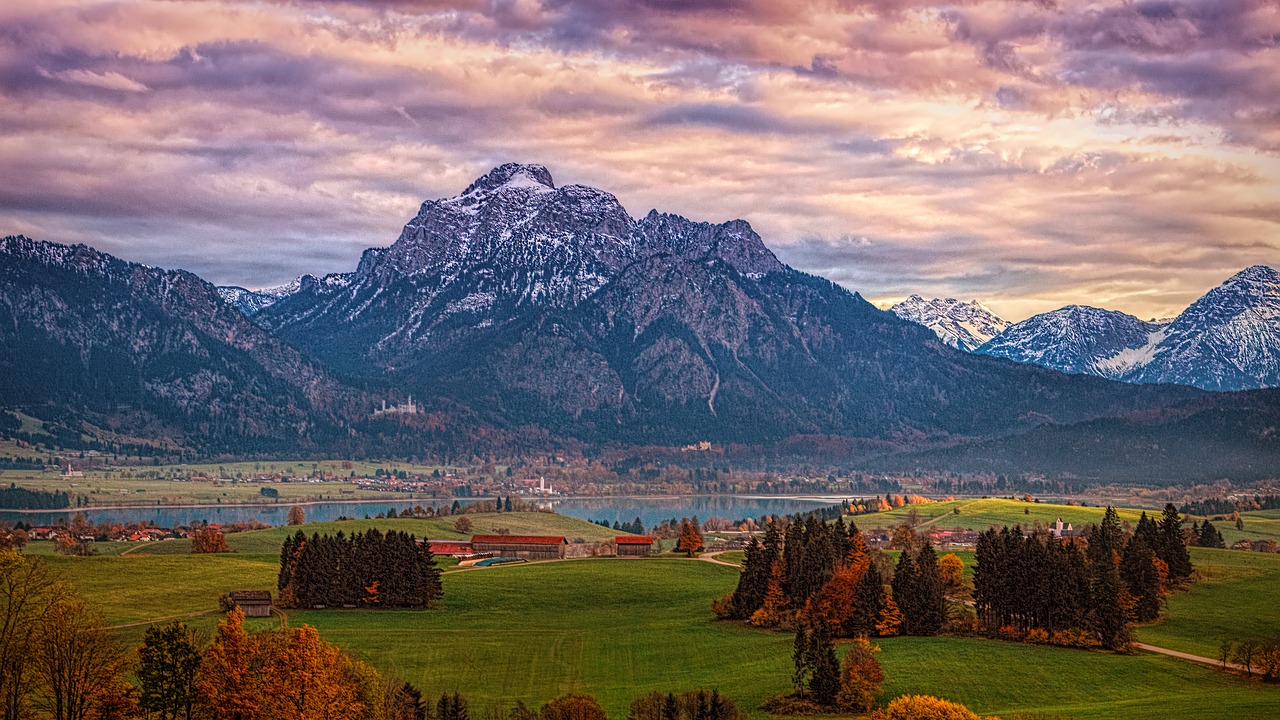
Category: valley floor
[620,628]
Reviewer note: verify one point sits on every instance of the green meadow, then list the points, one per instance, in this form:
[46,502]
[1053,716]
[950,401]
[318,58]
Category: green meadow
[618,628]
[982,513]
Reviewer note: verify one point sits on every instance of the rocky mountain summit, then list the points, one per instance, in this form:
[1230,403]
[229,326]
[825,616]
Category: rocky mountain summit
[960,324]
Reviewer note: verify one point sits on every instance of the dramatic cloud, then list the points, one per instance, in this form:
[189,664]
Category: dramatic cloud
[1030,154]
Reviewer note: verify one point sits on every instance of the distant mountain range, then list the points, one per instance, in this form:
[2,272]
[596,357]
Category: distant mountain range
[963,325]
[1227,340]
[524,316]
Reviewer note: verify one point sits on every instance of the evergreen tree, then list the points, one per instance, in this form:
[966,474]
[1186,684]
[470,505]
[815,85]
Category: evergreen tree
[1171,547]
[869,605]
[1105,588]
[452,707]
[930,602]
[1141,576]
[824,683]
[800,657]
[906,577]
[1210,537]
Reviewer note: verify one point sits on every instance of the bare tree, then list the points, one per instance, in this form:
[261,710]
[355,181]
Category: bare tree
[27,592]
[77,662]
[1224,652]
[1245,652]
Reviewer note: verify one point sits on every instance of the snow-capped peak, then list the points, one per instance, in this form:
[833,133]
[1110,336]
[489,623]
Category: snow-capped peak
[512,176]
[960,324]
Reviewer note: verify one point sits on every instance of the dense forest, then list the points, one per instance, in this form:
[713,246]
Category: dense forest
[368,570]
[16,498]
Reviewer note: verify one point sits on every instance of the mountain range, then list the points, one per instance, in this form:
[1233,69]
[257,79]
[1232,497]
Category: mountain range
[960,324]
[522,315]
[1227,340]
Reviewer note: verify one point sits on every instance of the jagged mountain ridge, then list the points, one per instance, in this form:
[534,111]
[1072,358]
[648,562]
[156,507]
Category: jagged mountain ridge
[137,347]
[554,307]
[1227,340]
[1074,339]
[960,324]
[252,302]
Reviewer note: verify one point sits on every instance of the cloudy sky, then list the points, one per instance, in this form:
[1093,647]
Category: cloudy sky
[1029,154]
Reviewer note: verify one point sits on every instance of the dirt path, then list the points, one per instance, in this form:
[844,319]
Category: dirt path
[711,558]
[157,621]
[1192,658]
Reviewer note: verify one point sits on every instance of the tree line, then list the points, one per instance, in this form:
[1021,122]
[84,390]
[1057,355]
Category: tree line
[1045,589]
[366,569]
[1224,506]
[16,498]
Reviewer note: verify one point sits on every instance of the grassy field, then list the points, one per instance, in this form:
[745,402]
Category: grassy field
[1236,599]
[620,628]
[270,539]
[983,513]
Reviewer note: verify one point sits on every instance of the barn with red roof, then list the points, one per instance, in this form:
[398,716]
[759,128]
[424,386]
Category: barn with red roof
[634,545]
[529,547]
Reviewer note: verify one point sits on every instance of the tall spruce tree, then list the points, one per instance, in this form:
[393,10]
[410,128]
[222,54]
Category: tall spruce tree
[930,601]
[1142,578]
[1171,547]
[824,683]
[906,579]
[1107,613]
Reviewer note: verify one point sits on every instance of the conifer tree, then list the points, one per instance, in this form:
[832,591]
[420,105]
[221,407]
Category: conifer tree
[906,578]
[824,683]
[1171,547]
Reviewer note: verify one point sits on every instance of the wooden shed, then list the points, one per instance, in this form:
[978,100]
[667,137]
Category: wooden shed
[253,603]
[529,547]
[634,545]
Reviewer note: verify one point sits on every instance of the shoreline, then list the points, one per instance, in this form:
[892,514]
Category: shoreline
[831,499]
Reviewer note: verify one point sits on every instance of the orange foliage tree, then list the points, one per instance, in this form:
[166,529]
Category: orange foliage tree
[890,617]
[775,600]
[690,540]
[924,707]
[296,516]
[573,707]
[306,678]
[209,540]
[228,682]
[861,678]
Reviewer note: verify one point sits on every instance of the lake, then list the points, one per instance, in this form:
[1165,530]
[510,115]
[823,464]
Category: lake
[650,510]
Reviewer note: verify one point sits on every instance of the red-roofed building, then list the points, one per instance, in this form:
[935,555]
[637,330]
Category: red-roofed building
[451,548]
[529,547]
[634,545]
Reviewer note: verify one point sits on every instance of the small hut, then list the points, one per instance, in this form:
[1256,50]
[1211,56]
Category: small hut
[634,545]
[253,603]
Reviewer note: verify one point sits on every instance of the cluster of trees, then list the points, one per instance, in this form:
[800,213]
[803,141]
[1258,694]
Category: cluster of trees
[1262,656]
[365,569]
[816,572]
[636,527]
[1224,506]
[1044,589]
[16,498]
[1206,535]
[208,540]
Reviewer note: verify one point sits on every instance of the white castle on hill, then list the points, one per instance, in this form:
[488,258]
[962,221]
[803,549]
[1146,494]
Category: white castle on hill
[409,408]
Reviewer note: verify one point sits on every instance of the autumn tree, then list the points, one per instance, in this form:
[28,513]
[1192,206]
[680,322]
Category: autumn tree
[306,677]
[209,540]
[924,707]
[573,707]
[77,662]
[462,524]
[861,678]
[227,680]
[690,539]
[296,516]
[168,661]
[28,593]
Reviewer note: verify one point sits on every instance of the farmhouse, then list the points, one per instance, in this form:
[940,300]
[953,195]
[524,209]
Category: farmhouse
[529,547]
[253,603]
[634,545]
